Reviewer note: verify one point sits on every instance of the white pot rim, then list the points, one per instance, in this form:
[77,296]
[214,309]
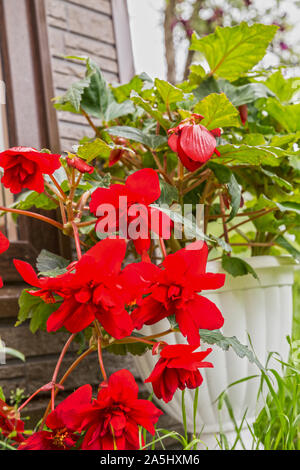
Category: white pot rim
[261,262]
[271,271]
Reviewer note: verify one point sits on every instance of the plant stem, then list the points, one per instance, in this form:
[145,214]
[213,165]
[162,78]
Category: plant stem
[77,240]
[64,378]
[250,219]
[57,367]
[57,185]
[162,247]
[87,117]
[222,207]
[34,216]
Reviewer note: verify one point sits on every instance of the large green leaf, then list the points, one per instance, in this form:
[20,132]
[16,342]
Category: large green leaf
[169,93]
[288,116]
[233,51]
[93,95]
[250,155]
[284,88]
[150,140]
[217,111]
[238,95]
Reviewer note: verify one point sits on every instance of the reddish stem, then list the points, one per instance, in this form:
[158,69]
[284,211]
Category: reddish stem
[57,367]
[34,216]
[77,240]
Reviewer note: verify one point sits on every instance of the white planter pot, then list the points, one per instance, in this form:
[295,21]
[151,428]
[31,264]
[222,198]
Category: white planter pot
[264,310]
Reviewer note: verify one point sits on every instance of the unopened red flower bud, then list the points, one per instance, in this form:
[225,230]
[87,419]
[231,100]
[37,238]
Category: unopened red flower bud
[80,165]
[193,143]
[243,109]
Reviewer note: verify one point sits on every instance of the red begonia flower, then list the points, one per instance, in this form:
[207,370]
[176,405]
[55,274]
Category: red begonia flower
[11,426]
[94,288]
[24,167]
[112,420]
[175,292]
[193,143]
[177,368]
[80,165]
[62,424]
[130,204]
[4,244]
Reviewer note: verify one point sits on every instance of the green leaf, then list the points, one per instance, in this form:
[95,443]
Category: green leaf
[169,93]
[284,88]
[217,111]
[40,316]
[222,172]
[123,92]
[14,353]
[95,149]
[115,110]
[146,106]
[216,337]
[237,266]
[277,179]
[233,51]
[286,245]
[238,95]
[136,349]
[30,199]
[74,94]
[36,309]
[51,265]
[2,397]
[150,140]
[168,195]
[288,116]
[250,155]
[289,206]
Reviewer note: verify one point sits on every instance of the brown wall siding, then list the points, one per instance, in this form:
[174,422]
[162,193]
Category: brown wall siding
[80,28]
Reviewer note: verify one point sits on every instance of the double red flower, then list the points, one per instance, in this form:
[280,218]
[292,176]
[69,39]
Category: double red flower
[175,292]
[11,426]
[177,368]
[62,424]
[24,167]
[112,420]
[131,212]
[93,288]
[193,143]
[4,244]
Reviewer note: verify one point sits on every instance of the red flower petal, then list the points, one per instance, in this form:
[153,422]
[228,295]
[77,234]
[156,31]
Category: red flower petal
[143,186]
[197,142]
[4,243]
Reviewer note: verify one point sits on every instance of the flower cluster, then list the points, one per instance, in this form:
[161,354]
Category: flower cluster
[109,422]
[117,298]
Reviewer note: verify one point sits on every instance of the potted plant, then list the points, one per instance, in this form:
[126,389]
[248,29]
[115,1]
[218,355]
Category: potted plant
[219,147]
